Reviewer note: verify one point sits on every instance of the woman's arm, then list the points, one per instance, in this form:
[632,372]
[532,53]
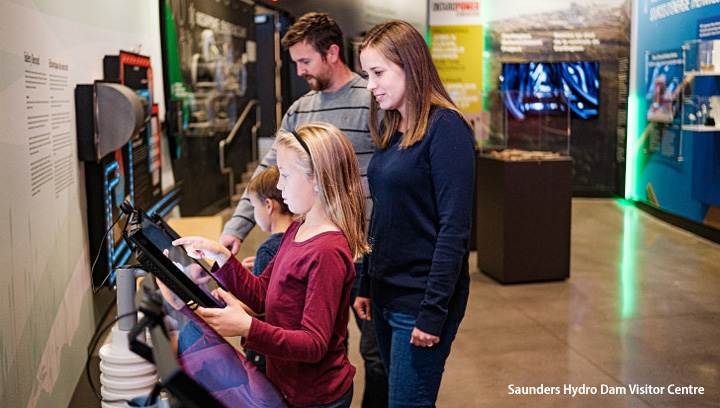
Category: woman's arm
[452,164]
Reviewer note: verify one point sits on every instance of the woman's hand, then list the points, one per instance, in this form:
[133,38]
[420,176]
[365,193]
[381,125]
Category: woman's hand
[199,247]
[421,339]
[363,307]
[230,321]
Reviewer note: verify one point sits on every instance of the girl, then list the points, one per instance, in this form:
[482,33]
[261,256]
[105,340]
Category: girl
[305,290]
[421,180]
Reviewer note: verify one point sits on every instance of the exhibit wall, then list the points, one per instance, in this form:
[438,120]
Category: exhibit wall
[673,158]
[584,45]
[47,47]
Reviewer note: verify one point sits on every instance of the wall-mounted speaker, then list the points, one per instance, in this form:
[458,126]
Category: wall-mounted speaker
[108,115]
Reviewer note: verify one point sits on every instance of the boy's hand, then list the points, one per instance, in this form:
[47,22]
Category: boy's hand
[248,263]
[363,307]
[169,296]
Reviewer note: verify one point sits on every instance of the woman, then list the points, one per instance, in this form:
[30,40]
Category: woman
[416,283]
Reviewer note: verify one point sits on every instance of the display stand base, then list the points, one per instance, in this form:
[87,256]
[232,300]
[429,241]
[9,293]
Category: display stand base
[523,218]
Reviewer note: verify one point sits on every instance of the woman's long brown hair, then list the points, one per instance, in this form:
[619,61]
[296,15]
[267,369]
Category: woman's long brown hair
[401,44]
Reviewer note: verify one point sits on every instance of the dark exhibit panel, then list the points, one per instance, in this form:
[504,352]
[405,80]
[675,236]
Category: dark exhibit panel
[119,136]
[209,58]
[523,218]
[274,94]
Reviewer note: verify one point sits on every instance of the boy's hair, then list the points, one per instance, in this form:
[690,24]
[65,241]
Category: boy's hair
[333,164]
[319,30]
[265,186]
[401,44]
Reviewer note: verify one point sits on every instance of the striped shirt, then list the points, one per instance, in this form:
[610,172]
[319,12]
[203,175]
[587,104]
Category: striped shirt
[347,108]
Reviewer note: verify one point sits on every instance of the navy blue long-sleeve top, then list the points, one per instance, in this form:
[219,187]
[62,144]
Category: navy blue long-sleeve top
[420,224]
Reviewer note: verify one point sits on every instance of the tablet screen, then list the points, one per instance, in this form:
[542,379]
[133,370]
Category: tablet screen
[188,278]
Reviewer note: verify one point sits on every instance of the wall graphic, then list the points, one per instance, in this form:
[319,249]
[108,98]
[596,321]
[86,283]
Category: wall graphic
[670,165]
[47,314]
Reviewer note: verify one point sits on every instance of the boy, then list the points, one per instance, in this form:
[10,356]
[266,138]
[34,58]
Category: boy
[271,215]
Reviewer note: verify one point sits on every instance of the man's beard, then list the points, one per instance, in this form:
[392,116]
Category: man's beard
[320,84]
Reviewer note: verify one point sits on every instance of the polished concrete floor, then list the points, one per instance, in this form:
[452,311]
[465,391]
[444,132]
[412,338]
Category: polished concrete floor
[641,308]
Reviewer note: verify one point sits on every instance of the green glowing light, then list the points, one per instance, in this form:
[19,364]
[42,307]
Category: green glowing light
[631,148]
[628,261]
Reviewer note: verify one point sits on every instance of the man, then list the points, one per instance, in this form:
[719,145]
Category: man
[340,97]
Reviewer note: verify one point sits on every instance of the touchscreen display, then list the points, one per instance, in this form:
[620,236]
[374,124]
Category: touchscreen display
[188,278]
[195,269]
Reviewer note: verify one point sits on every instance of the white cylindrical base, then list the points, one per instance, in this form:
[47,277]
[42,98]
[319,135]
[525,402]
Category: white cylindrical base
[123,374]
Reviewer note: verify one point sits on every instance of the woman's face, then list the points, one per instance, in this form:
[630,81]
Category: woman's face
[386,80]
[299,192]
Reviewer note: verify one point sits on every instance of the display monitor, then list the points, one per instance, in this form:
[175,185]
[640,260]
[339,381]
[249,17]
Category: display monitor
[151,240]
[578,81]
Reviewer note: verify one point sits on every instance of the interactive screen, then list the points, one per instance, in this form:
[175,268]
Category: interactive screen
[579,82]
[188,278]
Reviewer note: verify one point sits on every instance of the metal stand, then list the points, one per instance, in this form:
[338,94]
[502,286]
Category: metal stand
[124,374]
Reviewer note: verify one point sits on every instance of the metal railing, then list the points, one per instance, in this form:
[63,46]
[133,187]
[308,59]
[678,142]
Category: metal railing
[221,146]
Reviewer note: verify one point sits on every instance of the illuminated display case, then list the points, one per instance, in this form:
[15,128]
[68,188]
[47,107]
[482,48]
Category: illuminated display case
[702,56]
[526,120]
[524,187]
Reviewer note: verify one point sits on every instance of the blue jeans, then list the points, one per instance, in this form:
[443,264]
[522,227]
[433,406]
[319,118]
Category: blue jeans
[414,373]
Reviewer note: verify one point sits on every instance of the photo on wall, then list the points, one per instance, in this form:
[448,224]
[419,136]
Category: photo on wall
[664,72]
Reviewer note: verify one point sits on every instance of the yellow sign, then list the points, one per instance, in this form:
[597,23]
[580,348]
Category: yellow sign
[457,53]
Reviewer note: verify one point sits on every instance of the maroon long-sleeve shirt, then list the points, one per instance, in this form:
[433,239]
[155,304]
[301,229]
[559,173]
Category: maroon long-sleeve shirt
[305,295]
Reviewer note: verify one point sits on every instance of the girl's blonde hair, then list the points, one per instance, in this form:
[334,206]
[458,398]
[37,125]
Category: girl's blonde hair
[331,161]
[401,44]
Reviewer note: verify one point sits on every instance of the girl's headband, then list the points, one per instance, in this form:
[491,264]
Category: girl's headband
[302,143]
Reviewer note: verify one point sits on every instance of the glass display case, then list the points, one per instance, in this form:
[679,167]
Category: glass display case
[700,113]
[528,121]
[702,56]
[524,185]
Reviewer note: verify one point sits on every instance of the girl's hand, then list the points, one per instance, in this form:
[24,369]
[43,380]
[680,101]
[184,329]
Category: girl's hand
[199,247]
[230,321]
[363,307]
[421,339]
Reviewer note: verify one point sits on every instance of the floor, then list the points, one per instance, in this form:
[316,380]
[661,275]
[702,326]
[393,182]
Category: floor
[639,313]
[641,308]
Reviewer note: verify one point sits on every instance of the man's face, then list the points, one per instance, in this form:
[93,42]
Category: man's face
[311,65]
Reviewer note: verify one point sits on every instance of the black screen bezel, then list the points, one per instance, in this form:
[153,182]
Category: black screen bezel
[153,260]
